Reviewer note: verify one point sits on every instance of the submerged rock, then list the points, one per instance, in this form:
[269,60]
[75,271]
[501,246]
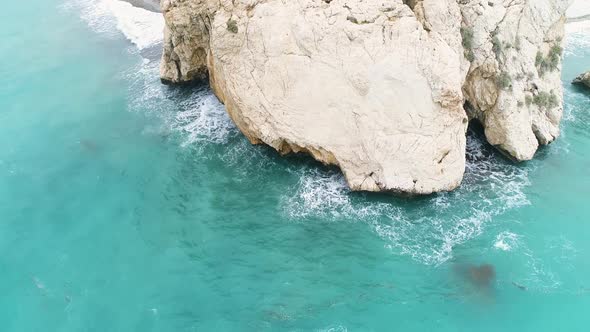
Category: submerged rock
[583,79]
[376,87]
[482,277]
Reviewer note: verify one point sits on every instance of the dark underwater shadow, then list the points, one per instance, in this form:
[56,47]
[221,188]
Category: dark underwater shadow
[476,282]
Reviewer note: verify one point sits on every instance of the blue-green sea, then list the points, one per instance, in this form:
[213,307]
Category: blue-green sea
[126,205]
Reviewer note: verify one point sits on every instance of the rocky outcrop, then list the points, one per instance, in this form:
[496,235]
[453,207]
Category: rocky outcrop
[583,79]
[376,87]
[513,86]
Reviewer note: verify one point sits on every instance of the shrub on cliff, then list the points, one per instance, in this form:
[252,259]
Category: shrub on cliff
[504,81]
[232,26]
[467,36]
[550,62]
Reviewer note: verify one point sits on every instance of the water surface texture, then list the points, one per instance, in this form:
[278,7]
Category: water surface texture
[126,205]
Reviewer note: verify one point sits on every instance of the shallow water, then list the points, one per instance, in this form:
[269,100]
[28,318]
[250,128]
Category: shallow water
[126,205]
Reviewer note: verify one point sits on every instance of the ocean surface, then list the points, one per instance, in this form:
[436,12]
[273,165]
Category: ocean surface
[126,205]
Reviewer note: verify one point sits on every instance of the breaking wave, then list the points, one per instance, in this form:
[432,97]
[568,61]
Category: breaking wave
[506,241]
[112,17]
[194,113]
[426,229]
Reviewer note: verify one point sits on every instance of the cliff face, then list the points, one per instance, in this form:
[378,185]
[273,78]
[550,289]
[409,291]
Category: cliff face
[376,87]
[513,86]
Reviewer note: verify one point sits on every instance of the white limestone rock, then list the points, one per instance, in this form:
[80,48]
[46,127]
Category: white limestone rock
[374,87]
[514,84]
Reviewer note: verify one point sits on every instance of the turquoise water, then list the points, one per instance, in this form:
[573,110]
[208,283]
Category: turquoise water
[126,205]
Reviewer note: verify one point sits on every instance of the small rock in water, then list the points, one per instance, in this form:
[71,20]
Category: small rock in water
[583,79]
[519,286]
[38,283]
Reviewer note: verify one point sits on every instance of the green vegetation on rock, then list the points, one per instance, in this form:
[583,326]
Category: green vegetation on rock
[232,26]
[550,62]
[467,36]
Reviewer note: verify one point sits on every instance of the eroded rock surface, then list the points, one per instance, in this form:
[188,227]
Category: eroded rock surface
[375,87]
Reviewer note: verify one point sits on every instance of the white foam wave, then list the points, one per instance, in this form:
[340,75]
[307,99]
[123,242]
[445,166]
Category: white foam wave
[111,17]
[506,241]
[94,13]
[204,119]
[319,193]
[195,113]
[142,27]
[427,230]
[338,328]
[574,105]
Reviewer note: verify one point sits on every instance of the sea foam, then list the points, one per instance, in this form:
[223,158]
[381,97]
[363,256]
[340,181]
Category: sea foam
[195,113]
[141,27]
[506,241]
[426,229]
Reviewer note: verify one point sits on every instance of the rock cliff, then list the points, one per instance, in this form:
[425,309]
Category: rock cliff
[513,86]
[377,88]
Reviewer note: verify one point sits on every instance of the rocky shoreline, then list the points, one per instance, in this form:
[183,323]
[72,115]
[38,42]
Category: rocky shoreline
[383,90]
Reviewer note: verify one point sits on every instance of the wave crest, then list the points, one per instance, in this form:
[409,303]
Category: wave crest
[112,17]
